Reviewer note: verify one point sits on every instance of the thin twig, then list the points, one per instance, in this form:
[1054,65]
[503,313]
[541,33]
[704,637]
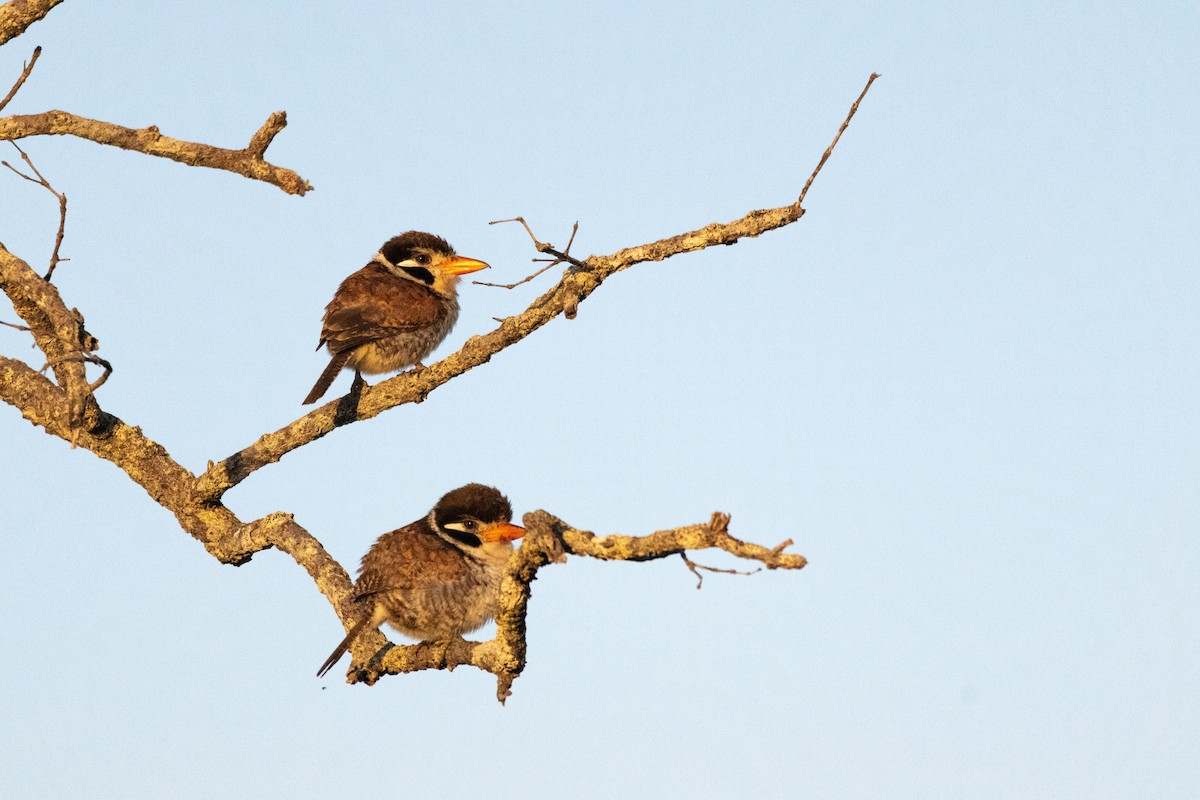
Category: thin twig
[88,358]
[18,327]
[37,51]
[526,279]
[96,384]
[695,568]
[55,260]
[841,130]
[546,247]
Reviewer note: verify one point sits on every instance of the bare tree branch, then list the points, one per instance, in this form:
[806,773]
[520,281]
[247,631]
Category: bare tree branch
[263,137]
[548,540]
[145,461]
[545,247]
[69,410]
[37,51]
[415,385]
[59,334]
[542,247]
[829,150]
[148,464]
[247,162]
[62,208]
[18,15]
[695,570]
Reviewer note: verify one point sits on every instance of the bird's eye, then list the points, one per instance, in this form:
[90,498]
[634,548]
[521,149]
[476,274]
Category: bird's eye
[470,525]
[422,259]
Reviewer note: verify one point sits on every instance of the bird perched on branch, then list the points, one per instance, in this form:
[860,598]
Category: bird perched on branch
[438,577]
[394,311]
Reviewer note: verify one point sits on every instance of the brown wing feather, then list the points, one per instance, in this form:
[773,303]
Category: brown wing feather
[327,377]
[344,646]
[372,304]
[384,566]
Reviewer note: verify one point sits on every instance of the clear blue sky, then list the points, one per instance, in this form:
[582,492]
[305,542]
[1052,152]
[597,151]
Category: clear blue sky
[965,384]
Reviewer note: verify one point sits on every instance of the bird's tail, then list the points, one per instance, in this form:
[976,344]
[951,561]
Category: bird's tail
[335,366]
[341,649]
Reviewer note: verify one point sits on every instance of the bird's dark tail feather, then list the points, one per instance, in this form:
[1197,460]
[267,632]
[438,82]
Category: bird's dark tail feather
[341,649]
[335,366]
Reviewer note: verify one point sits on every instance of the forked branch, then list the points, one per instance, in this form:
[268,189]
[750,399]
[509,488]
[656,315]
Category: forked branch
[548,540]
[247,162]
[55,259]
[576,284]
[69,410]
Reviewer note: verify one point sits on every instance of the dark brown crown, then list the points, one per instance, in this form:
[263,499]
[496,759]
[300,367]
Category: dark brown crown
[403,247]
[473,501]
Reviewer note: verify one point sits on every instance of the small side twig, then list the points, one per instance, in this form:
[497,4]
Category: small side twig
[88,358]
[263,137]
[15,326]
[829,150]
[37,51]
[542,247]
[526,279]
[55,259]
[695,568]
[96,384]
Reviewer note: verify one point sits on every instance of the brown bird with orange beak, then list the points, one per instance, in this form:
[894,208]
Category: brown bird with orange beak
[438,577]
[393,312]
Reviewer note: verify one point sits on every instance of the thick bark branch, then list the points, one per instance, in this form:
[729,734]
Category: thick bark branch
[414,386]
[18,15]
[548,540]
[564,297]
[149,465]
[247,162]
[145,461]
[58,331]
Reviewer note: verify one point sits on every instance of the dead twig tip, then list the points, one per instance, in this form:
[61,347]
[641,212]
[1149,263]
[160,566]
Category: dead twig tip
[719,522]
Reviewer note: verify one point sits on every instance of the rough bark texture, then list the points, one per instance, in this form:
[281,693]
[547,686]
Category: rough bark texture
[248,161]
[573,288]
[18,15]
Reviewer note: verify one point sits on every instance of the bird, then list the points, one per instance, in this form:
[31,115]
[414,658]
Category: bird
[438,577]
[393,312]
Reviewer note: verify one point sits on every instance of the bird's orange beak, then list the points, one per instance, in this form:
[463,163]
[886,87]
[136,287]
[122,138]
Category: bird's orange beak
[502,532]
[461,265]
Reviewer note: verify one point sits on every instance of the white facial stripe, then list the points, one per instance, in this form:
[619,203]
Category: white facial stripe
[423,258]
[469,543]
